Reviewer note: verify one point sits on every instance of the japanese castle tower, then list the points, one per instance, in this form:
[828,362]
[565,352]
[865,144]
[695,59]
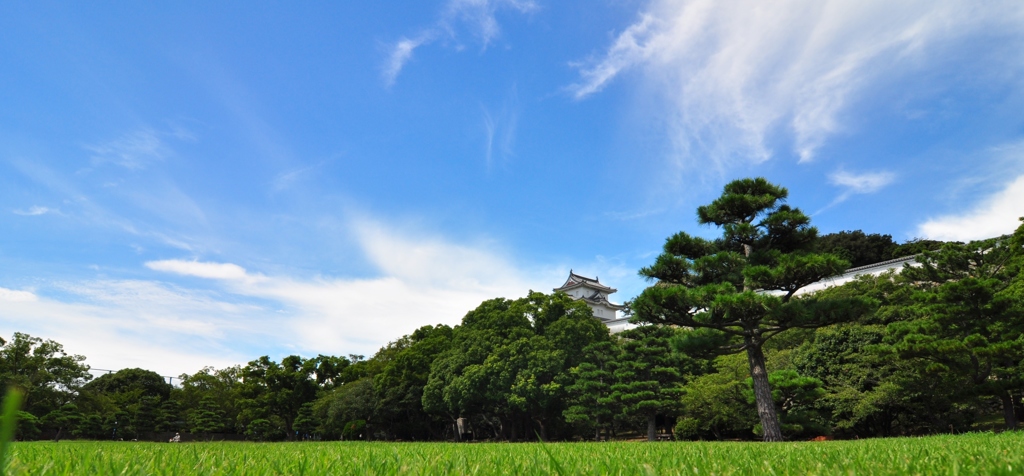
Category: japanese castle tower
[595,294]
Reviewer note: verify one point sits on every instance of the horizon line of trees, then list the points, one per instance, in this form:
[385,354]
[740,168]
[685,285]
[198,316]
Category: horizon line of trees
[725,349]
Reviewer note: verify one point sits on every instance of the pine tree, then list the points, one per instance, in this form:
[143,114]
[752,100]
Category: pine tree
[591,405]
[740,288]
[648,378]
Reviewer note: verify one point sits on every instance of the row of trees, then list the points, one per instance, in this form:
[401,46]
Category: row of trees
[727,348]
[514,369]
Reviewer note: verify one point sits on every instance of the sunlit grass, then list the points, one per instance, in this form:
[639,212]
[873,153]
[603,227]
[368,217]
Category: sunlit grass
[982,453]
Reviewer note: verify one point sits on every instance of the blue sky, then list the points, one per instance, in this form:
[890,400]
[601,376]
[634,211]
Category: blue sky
[189,184]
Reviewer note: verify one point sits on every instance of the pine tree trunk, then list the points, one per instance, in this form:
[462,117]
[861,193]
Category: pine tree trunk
[652,427]
[1009,416]
[1018,405]
[763,393]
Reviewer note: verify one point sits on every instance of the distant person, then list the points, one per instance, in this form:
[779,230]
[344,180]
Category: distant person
[176,438]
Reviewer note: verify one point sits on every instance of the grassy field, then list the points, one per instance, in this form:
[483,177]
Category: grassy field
[982,453]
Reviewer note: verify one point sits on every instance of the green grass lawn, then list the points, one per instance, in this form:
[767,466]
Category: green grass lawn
[981,453]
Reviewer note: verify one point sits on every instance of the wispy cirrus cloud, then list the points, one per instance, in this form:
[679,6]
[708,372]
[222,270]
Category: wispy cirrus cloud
[477,17]
[857,184]
[864,183]
[735,74]
[135,150]
[401,53]
[500,129]
[36,210]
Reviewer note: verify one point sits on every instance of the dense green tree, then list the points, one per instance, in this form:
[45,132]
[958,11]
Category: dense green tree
[130,384]
[275,392]
[144,415]
[63,420]
[91,427]
[49,377]
[869,392]
[857,247]
[219,391]
[648,375]
[917,246]
[207,417]
[742,287]
[715,404]
[508,364]
[305,423]
[794,396]
[460,383]
[171,417]
[968,324]
[350,402]
[399,386]
[262,429]
[127,401]
[591,403]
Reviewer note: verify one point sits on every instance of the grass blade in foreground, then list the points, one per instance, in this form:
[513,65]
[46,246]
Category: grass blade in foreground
[12,403]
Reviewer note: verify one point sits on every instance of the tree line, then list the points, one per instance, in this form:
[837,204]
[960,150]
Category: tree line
[726,347]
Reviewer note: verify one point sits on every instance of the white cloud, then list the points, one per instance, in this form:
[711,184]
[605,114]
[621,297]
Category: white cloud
[239,314]
[421,280]
[199,269]
[630,48]
[131,323]
[733,74]
[135,150]
[853,184]
[994,216]
[401,53]
[478,16]
[13,295]
[500,129]
[868,182]
[424,280]
[36,210]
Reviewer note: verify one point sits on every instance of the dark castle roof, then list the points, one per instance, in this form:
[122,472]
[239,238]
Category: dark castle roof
[576,280]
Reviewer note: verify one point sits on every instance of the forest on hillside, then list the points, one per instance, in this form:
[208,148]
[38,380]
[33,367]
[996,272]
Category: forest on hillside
[935,348]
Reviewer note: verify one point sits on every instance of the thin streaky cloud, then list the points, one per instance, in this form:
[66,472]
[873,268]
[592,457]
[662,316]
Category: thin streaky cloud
[857,184]
[628,49]
[199,269]
[36,210]
[134,150]
[868,182]
[400,54]
[733,75]
[489,127]
[477,16]
[500,129]
[286,180]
